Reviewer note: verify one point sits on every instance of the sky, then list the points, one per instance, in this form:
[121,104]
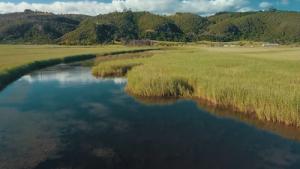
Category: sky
[95,7]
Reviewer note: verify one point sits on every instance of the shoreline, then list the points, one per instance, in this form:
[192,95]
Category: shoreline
[211,104]
[208,103]
[182,88]
[11,75]
[291,132]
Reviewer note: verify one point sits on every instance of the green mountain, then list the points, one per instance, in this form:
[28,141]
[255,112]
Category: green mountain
[189,23]
[36,27]
[124,26]
[39,27]
[276,26]
[103,29]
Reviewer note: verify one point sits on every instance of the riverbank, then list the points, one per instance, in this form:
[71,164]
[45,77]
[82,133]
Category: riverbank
[18,60]
[263,82]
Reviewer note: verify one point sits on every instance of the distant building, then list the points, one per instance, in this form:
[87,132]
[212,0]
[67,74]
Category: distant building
[139,43]
[229,45]
[270,45]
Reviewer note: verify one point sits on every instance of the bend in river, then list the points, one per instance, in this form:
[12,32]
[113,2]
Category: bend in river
[63,117]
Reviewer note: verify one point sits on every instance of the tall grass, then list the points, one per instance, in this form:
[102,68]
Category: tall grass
[117,66]
[261,81]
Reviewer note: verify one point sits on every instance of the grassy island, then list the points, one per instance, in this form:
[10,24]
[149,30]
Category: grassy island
[262,81]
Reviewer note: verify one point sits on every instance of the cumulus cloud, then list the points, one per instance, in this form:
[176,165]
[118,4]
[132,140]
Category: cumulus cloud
[156,6]
[265,5]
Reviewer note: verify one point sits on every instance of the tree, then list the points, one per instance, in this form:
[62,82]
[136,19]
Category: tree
[127,27]
[105,33]
[232,32]
[168,32]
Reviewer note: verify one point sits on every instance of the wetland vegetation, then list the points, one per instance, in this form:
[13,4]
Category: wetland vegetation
[262,82]
[259,81]
[42,128]
[150,91]
[63,117]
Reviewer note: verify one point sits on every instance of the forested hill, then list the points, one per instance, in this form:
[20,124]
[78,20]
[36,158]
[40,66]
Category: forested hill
[36,27]
[39,27]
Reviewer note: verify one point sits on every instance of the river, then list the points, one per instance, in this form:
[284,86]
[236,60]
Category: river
[62,117]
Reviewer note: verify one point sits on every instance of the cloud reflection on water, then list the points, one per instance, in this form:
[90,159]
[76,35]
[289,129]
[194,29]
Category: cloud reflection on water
[31,134]
[77,76]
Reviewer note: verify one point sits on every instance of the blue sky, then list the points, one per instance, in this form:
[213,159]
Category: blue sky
[95,7]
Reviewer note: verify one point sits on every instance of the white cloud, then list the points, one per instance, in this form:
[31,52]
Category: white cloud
[285,2]
[265,5]
[245,9]
[156,6]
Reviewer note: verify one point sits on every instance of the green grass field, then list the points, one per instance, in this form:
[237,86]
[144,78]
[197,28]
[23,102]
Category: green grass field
[261,81]
[16,55]
[17,60]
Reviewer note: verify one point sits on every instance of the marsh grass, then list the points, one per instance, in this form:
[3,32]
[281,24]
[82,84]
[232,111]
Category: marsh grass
[161,86]
[260,81]
[117,66]
[113,70]
[139,54]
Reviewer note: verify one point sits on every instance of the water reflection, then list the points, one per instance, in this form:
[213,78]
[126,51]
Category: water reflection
[78,75]
[288,132]
[152,101]
[92,123]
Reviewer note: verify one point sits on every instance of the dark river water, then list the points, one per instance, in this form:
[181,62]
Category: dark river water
[63,118]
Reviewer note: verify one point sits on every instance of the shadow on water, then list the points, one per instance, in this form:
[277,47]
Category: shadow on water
[289,132]
[63,117]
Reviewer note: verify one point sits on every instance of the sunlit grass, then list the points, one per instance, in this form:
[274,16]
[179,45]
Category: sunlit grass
[17,60]
[16,55]
[263,81]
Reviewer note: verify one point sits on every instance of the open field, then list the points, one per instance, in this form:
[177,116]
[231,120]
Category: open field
[17,60]
[16,55]
[264,82]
